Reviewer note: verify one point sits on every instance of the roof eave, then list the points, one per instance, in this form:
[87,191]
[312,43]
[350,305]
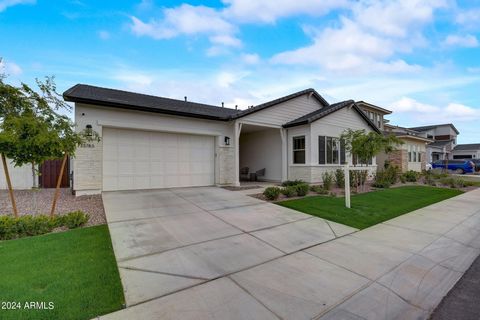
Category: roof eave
[69,98]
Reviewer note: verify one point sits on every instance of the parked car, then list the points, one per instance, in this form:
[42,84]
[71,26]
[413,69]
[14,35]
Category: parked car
[457,166]
[477,164]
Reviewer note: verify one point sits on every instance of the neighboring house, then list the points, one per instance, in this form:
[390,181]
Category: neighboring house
[466,151]
[375,113]
[154,142]
[444,138]
[411,155]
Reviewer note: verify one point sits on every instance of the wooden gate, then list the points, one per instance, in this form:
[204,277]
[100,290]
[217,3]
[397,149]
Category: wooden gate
[49,172]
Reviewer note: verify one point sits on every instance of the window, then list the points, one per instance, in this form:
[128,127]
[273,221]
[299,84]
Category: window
[331,150]
[299,149]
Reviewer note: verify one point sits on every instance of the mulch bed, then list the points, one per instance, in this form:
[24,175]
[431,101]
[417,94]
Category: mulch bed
[233,188]
[92,205]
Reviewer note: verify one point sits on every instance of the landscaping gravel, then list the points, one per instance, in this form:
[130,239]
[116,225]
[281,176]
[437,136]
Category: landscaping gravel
[92,205]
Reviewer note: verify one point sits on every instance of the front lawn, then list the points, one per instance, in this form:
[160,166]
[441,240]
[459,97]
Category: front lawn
[373,207]
[75,270]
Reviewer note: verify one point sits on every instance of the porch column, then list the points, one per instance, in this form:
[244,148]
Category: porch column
[237,130]
[283,135]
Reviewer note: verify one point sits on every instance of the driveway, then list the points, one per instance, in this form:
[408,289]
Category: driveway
[209,253]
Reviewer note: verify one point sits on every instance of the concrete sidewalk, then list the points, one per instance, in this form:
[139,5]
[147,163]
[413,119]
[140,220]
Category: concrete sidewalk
[400,269]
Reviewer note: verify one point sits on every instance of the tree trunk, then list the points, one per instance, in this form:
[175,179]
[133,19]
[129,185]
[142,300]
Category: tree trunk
[59,181]
[34,188]
[9,184]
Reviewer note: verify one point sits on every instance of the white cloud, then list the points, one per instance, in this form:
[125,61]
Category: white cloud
[10,68]
[467,41]
[421,113]
[468,18]
[250,58]
[268,11]
[104,35]
[190,20]
[370,41]
[406,104]
[4,4]
[186,19]
[396,18]
[348,48]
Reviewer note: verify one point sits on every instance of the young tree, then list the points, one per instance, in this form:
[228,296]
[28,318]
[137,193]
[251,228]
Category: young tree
[364,146]
[33,130]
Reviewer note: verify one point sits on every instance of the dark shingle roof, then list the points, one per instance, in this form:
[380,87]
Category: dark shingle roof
[135,101]
[433,126]
[471,146]
[283,99]
[318,114]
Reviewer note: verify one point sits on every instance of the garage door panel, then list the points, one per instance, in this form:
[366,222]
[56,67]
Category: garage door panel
[135,159]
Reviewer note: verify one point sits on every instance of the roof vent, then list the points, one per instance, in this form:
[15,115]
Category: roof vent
[185,98]
[222,104]
[236,106]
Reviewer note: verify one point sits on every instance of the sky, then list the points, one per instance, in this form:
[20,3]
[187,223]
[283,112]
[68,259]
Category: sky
[418,58]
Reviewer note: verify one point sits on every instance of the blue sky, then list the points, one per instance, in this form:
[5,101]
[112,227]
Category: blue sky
[419,58]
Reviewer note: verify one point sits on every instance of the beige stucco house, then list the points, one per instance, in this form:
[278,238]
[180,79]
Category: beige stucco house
[411,155]
[154,142]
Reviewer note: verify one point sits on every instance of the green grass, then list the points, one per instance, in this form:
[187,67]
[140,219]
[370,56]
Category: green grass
[76,270]
[368,209]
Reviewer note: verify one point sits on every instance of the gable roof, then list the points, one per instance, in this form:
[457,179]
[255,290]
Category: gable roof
[440,144]
[142,102]
[433,126]
[318,114]
[470,146]
[271,103]
[372,106]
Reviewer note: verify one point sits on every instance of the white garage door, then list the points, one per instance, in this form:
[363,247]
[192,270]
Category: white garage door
[134,159]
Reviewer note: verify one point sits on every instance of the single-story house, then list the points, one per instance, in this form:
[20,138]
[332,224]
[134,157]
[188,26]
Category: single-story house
[155,142]
[466,151]
[411,155]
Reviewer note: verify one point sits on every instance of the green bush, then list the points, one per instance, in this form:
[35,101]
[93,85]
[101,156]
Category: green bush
[340,178]
[358,177]
[290,191]
[318,189]
[403,178]
[289,183]
[272,193]
[302,189]
[454,182]
[411,176]
[74,219]
[8,228]
[28,225]
[34,225]
[327,179]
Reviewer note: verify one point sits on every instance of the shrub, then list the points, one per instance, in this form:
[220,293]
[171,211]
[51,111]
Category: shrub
[340,178]
[8,228]
[289,183]
[272,193]
[358,177]
[302,189]
[318,189]
[411,176]
[28,225]
[289,191]
[34,225]
[454,182]
[403,178]
[327,179]
[74,219]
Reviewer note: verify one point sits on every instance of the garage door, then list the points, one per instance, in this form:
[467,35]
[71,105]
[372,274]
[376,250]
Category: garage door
[134,159]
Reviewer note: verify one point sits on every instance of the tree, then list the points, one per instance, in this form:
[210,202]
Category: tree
[364,146]
[367,145]
[33,130]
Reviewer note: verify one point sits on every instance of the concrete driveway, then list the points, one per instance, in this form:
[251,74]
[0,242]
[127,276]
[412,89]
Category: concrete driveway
[209,253]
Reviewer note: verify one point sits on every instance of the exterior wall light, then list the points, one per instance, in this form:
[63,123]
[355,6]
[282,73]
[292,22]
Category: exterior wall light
[227,141]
